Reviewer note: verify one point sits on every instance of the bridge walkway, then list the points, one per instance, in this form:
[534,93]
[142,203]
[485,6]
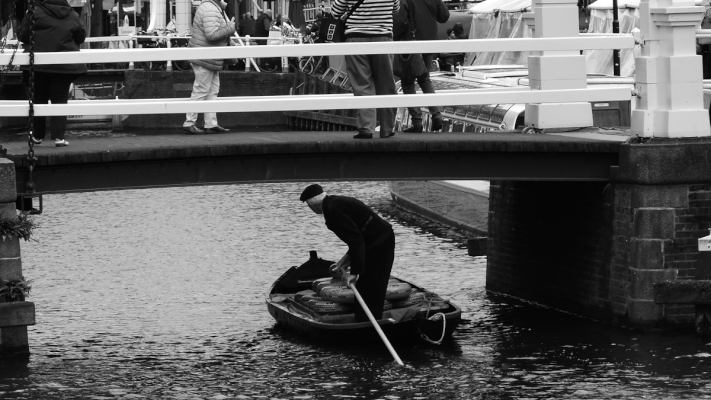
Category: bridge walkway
[136,160]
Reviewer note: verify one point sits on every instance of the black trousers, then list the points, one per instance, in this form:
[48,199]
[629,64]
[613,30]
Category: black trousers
[51,87]
[373,282]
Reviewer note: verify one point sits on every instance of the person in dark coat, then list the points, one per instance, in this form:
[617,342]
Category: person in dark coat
[261,27]
[426,14]
[246,25]
[370,240]
[57,28]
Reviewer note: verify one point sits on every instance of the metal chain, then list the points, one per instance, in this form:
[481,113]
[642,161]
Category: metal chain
[30,133]
[5,69]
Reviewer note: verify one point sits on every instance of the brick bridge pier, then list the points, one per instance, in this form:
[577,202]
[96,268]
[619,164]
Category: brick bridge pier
[596,249]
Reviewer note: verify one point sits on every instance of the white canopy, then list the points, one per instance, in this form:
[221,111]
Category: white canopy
[498,19]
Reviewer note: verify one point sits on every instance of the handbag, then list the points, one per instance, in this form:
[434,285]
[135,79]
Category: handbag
[333,30]
[409,66]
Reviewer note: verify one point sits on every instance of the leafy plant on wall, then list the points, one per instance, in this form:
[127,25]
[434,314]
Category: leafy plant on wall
[15,290]
[22,228]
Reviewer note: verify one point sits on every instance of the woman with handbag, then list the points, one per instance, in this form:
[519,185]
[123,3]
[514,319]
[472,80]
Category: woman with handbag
[210,29]
[417,20]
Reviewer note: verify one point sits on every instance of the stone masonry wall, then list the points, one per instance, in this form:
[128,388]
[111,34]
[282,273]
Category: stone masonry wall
[178,84]
[551,242]
[596,249]
[663,224]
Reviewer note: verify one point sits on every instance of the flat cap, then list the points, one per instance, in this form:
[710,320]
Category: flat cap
[311,191]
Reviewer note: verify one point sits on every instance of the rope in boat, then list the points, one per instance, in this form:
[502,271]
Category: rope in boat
[430,296]
[435,317]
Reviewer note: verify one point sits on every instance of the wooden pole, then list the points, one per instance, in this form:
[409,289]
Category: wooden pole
[372,320]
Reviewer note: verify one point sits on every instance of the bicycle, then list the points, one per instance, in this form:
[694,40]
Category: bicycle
[175,41]
[310,64]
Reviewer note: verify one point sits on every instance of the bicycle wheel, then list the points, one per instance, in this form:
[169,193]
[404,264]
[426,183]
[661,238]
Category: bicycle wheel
[270,65]
[182,65]
[306,65]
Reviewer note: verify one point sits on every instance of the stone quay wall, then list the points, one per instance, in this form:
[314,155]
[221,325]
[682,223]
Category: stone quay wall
[179,84]
[14,316]
[596,249]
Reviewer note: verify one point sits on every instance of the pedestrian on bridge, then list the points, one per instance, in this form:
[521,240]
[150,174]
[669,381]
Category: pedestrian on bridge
[424,15]
[370,74]
[370,240]
[57,28]
[210,29]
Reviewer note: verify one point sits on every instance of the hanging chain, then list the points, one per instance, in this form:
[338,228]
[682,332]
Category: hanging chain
[30,133]
[5,69]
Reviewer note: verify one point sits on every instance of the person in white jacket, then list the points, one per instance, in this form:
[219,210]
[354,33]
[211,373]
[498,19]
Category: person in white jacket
[210,29]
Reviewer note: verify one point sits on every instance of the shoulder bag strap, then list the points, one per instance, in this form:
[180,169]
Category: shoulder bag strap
[411,23]
[348,13]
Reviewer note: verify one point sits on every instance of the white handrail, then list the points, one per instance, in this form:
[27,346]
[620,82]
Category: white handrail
[327,49]
[316,102]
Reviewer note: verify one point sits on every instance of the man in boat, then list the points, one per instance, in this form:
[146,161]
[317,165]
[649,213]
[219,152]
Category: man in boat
[370,240]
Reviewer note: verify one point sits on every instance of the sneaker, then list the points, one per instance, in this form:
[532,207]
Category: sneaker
[385,135]
[193,130]
[35,140]
[216,129]
[60,143]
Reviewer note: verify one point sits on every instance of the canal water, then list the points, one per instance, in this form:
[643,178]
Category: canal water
[159,294]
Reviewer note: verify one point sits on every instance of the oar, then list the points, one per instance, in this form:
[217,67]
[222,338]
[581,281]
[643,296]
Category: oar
[372,319]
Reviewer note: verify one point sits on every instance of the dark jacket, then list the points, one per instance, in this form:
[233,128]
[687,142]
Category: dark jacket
[259,29]
[57,28]
[426,14]
[357,225]
[246,27]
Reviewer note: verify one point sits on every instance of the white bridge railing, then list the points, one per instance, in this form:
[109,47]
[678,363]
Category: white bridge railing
[310,102]
[668,83]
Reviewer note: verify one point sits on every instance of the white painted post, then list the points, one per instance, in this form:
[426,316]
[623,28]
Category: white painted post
[247,61]
[557,69]
[669,75]
[169,64]
[284,60]
[131,65]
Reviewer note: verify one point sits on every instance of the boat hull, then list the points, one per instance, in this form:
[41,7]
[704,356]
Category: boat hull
[436,320]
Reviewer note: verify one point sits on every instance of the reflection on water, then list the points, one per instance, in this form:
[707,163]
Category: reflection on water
[160,294]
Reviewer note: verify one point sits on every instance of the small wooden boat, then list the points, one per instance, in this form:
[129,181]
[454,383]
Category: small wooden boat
[416,315]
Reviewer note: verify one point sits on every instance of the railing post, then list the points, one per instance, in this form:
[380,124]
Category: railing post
[668,73]
[169,64]
[247,61]
[557,69]
[131,65]
[284,60]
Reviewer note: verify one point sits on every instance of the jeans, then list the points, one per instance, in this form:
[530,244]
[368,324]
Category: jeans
[205,87]
[372,74]
[408,87]
[55,88]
